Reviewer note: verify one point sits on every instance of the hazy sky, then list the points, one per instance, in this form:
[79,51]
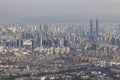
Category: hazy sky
[60,7]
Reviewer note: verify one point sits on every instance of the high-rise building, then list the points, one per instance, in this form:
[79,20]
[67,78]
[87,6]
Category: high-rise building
[94,33]
[91,31]
[39,41]
[91,27]
[97,27]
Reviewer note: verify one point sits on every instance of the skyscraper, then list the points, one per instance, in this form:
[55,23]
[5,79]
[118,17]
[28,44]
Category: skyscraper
[97,27]
[91,27]
[91,31]
[39,41]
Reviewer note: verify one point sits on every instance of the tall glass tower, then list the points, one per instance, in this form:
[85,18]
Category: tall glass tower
[97,27]
[91,31]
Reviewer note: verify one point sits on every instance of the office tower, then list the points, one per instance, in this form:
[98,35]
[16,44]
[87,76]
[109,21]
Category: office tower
[91,27]
[97,27]
[91,31]
[39,41]
[19,43]
[33,43]
[115,41]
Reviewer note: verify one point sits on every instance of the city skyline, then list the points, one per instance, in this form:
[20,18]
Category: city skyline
[59,40]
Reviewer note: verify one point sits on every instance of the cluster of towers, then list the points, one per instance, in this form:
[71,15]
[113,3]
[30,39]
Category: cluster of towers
[93,33]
